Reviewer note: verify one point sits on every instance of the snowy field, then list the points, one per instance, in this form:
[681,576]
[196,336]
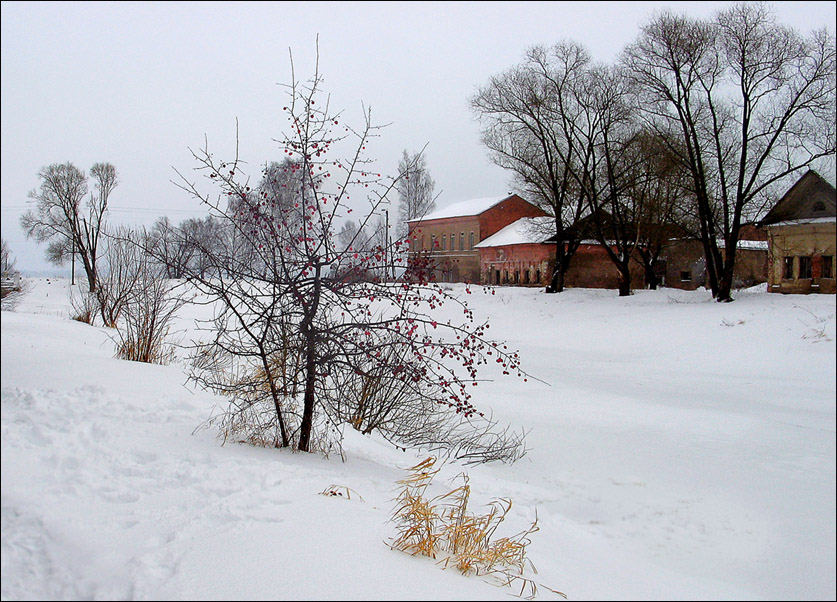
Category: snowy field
[678,449]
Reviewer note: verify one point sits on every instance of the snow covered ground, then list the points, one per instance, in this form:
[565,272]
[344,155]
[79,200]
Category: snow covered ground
[678,449]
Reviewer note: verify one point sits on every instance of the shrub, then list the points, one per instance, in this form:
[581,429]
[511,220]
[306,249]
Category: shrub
[84,306]
[147,317]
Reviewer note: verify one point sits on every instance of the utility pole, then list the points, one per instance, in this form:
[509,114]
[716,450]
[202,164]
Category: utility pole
[73,254]
[386,242]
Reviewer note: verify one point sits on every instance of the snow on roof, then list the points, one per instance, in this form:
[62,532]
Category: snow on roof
[758,245]
[809,220]
[525,230]
[464,208]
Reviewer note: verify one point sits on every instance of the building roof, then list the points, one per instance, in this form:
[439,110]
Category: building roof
[464,208]
[811,197]
[526,230]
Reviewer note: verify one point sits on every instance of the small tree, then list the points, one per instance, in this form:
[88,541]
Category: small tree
[289,333]
[58,216]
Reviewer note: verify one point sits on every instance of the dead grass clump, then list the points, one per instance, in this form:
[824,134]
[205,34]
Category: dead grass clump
[442,528]
[83,307]
[340,491]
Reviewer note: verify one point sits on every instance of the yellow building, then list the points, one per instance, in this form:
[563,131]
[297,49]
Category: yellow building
[802,238]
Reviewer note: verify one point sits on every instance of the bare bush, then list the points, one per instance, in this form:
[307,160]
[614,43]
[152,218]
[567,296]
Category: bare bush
[372,397]
[147,316]
[84,306]
[122,273]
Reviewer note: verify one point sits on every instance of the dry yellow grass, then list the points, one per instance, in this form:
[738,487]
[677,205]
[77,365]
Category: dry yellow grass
[442,528]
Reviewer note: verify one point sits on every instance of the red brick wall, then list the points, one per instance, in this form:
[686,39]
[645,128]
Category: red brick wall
[451,265]
[591,267]
[464,266]
[516,264]
[505,213]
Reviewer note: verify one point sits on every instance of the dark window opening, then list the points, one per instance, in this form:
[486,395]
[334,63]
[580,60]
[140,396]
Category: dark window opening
[788,273]
[804,267]
[819,206]
[685,276]
[827,266]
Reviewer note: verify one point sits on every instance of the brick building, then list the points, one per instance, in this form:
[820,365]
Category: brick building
[446,239]
[802,238]
[523,253]
[684,265]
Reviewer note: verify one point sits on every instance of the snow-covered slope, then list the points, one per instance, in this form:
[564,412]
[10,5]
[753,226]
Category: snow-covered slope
[678,448]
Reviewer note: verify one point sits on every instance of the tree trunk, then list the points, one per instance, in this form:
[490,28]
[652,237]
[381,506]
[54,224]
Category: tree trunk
[727,278]
[651,277]
[275,395]
[624,280]
[556,285]
[90,271]
[308,401]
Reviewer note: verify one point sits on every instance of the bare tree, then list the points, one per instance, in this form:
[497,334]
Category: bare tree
[7,262]
[750,101]
[657,183]
[58,216]
[529,114]
[605,130]
[170,247]
[415,190]
[287,333]
[122,272]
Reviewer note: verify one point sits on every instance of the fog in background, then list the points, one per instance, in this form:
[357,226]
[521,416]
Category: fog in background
[136,84]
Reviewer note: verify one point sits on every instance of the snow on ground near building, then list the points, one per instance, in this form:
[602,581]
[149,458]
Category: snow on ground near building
[678,449]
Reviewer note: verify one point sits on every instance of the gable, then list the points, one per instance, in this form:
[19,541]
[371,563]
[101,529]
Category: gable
[811,198]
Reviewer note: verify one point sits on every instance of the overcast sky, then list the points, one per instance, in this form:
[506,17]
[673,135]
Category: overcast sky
[136,84]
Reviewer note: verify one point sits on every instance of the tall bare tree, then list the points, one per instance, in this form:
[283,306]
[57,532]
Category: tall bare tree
[606,131]
[750,101]
[415,190]
[529,114]
[58,216]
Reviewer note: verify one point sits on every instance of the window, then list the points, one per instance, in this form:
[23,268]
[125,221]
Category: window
[685,276]
[471,240]
[827,270]
[804,267]
[433,241]
[461,241]
[444,242]
[819,206]
[788,273]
